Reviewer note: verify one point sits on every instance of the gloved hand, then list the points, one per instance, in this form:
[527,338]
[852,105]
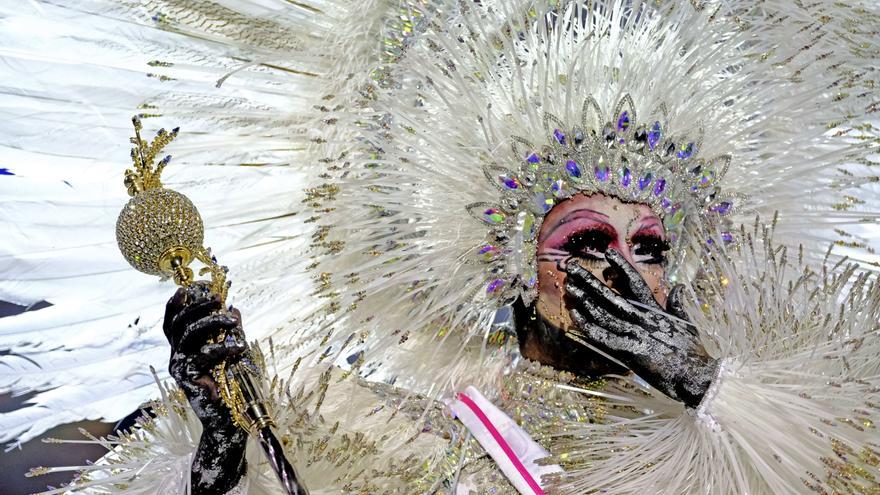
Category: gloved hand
[657,344]
[193,318]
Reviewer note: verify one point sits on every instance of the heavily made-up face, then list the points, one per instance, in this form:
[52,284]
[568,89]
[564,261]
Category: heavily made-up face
[580,229]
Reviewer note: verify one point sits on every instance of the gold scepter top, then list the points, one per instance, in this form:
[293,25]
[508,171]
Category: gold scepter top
[160,231]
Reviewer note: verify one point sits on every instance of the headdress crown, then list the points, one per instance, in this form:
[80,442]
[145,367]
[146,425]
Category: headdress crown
[616,156]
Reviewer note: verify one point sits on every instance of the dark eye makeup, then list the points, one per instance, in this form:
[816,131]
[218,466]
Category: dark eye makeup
[649,248]
[588,243]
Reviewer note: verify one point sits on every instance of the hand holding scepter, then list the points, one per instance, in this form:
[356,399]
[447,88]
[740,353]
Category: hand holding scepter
[160,232]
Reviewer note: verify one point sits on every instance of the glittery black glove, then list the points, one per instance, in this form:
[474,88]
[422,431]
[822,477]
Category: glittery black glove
[655,343]
[193,317]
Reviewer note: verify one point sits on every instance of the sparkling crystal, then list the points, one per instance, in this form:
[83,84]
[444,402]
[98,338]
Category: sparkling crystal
[727,237]
[644,181]
[626,177]
[623,121]
[573,168]
[533,158]
[722,208]
[489,252]
[608,133]
[494,286]
[706,178]
[493,216]
[579,137]
[529,226]
[601,173]
[654,135]
[542,202]
[509,182]
[659,186]
[640,136]
[153,221]
[686,151]
[673,220]
[560,137]
[665,203]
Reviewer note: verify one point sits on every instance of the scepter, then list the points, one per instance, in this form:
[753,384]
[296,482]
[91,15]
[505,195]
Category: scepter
[160,232]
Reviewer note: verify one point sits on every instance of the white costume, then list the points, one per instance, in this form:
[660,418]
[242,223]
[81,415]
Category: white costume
[375,173]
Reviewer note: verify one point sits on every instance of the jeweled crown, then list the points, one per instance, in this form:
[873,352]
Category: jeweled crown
[616,156]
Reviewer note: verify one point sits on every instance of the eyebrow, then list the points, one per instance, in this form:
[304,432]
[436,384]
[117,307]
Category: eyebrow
[573,215]
[647,224]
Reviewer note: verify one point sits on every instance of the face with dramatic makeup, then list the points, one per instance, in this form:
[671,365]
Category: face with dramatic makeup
[582,228]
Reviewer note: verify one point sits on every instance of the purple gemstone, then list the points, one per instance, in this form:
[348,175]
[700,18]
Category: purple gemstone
[623,122]
[6,171]
[533,158]
[573,168]
[722,208]
[659,186]
[686,151]
[602,173]
[706,178]
[654,136]
[510,182]
[559,136]
[489,252]
[494,285]
[727,237]
[644,181]
[627,178]
[665,203]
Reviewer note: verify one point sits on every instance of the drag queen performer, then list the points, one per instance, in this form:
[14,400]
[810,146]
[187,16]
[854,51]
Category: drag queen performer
[542,247]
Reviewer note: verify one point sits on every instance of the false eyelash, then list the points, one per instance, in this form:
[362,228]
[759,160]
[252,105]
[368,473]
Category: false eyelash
[652,246]
[579,243]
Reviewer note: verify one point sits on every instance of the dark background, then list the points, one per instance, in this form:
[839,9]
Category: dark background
[16,462]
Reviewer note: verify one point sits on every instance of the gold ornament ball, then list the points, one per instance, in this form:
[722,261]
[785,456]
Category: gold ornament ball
[155,221]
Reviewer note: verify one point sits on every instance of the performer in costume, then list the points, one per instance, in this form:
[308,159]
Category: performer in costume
[603,150]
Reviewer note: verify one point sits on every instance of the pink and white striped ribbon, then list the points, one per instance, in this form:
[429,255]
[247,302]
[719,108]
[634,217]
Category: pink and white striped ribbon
[510,446]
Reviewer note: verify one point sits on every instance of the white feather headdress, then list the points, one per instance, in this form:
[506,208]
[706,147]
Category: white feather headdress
[361,134]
